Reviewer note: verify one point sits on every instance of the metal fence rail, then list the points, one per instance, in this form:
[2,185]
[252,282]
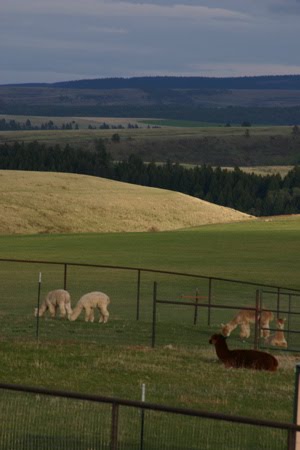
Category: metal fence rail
[80,421]
[141,270]
[130,289]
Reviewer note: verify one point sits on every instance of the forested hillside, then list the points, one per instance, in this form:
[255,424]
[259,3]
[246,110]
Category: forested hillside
[171,82]
[259,100]
[249,193]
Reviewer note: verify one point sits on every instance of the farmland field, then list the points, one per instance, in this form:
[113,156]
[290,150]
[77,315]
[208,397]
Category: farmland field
[263,252]
[185,143]
[116,358]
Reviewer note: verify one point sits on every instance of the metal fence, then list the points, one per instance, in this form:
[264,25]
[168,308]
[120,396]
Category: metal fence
[131,292]
[284,306]
[37,418]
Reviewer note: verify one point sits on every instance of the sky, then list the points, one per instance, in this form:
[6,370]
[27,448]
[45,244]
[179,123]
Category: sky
[60,40]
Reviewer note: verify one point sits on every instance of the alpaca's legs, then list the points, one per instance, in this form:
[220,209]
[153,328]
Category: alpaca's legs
[88,313]
[245,331]
[52,309]
[104,314]
[68,309]
[92,316]
[62,310]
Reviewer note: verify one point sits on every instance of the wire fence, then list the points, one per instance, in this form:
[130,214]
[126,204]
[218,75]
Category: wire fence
[283,307]
[215,300]
[37,418]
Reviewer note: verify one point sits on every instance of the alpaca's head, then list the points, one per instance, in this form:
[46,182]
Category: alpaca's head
[280,323]
[216,338]
[225,329]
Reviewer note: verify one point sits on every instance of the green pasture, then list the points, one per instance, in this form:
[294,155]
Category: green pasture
[263,251]
[116,358]
[178,123]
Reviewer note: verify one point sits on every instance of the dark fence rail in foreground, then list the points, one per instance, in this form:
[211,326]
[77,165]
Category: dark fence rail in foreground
[210,430]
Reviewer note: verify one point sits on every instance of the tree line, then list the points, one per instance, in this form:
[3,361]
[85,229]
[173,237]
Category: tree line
[250,193]
[14,125]
[173,82]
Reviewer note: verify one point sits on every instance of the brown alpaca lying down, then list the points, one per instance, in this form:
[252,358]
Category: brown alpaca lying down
[250,359]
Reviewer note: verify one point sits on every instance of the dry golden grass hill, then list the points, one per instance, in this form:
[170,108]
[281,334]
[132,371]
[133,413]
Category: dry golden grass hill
[45,202]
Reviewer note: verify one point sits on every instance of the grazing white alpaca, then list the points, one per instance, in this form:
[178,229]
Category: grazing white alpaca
[278,339]
[89,302]
[243,319]
[57,299]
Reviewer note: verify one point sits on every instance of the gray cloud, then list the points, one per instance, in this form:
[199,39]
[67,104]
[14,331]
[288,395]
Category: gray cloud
[285,6]
[70,39]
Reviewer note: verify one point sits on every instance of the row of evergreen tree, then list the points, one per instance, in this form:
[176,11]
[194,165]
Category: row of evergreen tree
[254,194]
[171,82]
[13,125]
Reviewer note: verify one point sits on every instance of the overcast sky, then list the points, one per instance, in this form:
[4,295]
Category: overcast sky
[57,40]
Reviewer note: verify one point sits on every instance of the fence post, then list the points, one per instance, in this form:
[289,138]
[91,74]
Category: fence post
[278,301]
[38,306]
[297,407]
[138,295]
[65,275]
[209,300]
[291,440]
[196,307]
[289,319]
[154,314]
[257,319]
[143,417]
[114,426]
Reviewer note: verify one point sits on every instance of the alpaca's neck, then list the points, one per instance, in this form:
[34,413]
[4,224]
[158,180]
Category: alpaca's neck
[222,350]
[76,312]
[279,334]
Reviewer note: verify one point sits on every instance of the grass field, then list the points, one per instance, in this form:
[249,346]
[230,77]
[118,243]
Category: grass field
[178,123]
[264,252]
[115,359]
[164,132]
[214,145]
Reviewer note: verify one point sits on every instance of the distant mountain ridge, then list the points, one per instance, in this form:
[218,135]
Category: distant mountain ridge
[286,82]
[258,100]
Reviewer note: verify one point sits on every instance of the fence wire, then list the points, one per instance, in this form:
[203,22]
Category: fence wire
[34,421]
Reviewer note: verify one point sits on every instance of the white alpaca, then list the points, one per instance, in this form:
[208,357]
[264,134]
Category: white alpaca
[278,339]
[89,302]
[243,319]
[57,299]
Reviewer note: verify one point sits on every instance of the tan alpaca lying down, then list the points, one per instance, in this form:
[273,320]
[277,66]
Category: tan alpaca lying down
[243,319]
[89,302]
[54,300]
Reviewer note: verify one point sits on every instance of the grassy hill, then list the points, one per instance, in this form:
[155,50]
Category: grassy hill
[42,202]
